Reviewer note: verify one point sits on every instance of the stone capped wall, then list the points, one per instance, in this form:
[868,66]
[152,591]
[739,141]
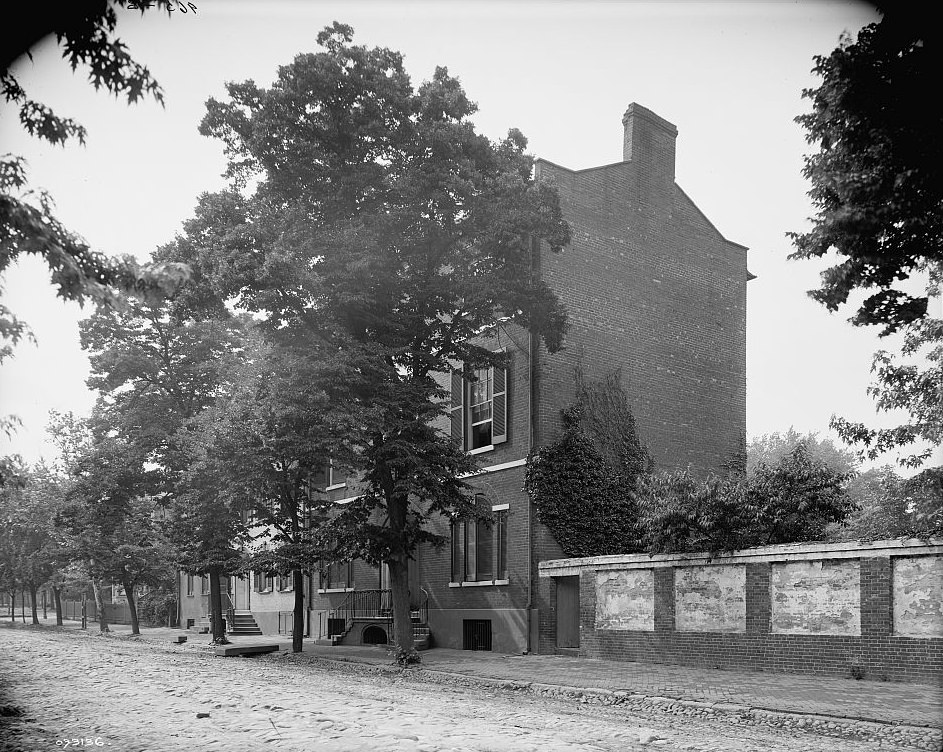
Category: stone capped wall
[871,610]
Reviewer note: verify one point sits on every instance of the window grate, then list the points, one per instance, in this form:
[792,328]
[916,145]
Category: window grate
[476,634]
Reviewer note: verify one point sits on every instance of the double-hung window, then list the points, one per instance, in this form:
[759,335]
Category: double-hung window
[263,581]
[329,478]
[479,548]
[337,575]
[479,408]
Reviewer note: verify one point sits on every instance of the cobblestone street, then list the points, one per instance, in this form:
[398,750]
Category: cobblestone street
[79,689]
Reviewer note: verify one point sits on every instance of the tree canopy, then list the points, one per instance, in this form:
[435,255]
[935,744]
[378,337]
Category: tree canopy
[28,225]
[768,449]
[878,194]
[875,182]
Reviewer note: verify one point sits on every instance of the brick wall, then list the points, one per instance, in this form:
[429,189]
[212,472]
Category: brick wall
[878,649]
[653,288]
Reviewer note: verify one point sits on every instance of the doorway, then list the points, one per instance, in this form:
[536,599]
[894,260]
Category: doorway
[240,593]
[568,611]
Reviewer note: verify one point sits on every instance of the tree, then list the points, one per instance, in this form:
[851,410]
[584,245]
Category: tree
[382,224]
[878,194]
[86,32]
[30,552]
[909,387]
[106,519]
[286,418]
[888,506]
[207,531]
[875,184]
[681,512]
[793,500]
[157,368]
[770,448]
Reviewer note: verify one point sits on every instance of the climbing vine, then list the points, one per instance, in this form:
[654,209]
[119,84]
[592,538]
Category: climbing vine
[583,484]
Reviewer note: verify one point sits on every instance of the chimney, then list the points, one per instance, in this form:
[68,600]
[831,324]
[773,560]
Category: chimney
[650,143]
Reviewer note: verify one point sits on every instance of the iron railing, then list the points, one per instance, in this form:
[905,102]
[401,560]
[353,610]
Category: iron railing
[229,612]
[360,604]
[420,612]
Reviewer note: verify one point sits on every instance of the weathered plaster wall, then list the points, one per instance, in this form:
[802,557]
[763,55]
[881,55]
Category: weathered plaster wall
[625,599]
[710,599]
[918,596]
[816,597]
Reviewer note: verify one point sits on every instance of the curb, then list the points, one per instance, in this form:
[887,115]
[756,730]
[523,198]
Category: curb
[901,735]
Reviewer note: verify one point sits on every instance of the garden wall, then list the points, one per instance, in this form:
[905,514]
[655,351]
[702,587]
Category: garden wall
[869,610]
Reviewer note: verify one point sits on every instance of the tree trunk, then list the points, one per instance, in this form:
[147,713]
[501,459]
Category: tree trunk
[57,598]
[217,624]
[132,608]
[298,614]
[13,604]
[402,622]
[32,603]
[100,606]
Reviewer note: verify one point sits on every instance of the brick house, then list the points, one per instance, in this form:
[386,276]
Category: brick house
[651,288]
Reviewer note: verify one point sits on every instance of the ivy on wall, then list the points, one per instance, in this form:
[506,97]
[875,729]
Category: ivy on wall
[583,484]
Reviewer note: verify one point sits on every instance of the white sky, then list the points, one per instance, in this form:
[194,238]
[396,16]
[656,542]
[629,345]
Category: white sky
[729,75]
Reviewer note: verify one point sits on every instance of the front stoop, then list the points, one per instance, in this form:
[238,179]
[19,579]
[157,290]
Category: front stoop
[244,624]
[422,636]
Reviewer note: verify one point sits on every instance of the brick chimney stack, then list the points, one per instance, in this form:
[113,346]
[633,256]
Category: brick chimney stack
[650,143]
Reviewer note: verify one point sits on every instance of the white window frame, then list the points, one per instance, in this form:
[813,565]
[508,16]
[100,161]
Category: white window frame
[461,409]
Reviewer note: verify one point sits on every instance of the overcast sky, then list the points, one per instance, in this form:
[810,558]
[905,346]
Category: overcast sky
[729,75]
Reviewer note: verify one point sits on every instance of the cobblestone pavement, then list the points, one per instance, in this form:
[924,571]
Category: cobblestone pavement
[77,689]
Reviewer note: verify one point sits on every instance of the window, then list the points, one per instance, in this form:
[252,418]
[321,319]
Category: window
[337,575]
[335,477]
[479,408]
[189,584]
[479,548]
[204,585]
[476,634]
[285,581]
[329,478]
[263,582]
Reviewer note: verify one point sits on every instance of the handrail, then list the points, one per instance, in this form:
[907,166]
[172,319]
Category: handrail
[424,606]
[230,609]
[364,604]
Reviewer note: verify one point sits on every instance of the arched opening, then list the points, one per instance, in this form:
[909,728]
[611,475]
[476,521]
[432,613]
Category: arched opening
[374,635]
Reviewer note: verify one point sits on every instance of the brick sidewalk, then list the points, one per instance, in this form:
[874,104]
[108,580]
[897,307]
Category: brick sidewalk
[881,702]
